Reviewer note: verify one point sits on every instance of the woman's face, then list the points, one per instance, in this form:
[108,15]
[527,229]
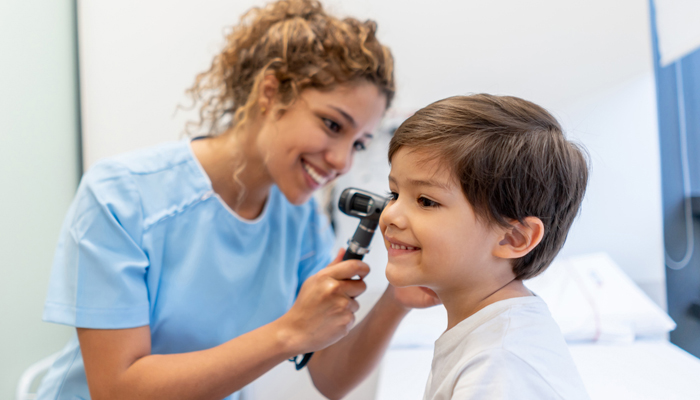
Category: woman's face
[314,140]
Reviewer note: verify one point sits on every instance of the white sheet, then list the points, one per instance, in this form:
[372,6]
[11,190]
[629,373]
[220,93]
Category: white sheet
[642,370]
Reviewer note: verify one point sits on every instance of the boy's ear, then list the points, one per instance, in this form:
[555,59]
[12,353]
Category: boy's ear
[520,239]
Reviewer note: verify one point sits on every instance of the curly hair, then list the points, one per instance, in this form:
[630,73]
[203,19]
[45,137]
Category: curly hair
[302,46]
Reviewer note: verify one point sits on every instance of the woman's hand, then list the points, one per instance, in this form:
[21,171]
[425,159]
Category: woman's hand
[338,368]
[414,296]
[324,311]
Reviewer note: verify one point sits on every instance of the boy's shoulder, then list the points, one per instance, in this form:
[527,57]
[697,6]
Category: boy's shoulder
[514,341]
[505,325]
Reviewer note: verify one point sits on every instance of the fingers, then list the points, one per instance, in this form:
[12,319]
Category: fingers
[348,288]
[324,310]
[353,288]
[347,269]
[353,306]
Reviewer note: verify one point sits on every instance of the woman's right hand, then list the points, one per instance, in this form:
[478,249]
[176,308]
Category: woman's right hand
[324,311]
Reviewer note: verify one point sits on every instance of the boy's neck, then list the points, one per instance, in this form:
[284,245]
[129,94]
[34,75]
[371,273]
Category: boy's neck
[464,303]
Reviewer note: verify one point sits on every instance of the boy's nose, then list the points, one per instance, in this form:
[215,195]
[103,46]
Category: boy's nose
[391,215]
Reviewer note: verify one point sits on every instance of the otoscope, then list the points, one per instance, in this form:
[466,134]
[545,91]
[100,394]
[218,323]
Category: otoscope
[366,206]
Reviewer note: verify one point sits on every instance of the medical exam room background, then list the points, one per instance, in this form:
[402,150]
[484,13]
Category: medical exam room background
[676,42]
[588,62]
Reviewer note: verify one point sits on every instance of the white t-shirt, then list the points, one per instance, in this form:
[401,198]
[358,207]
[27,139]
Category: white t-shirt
[511,349]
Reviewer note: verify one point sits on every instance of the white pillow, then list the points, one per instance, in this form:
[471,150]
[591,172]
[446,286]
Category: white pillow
[592,299]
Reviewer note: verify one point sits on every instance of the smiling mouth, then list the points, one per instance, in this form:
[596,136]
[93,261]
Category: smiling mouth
[318,178]
[400,247]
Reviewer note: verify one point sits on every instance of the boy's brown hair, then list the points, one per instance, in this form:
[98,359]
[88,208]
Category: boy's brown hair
[512,161]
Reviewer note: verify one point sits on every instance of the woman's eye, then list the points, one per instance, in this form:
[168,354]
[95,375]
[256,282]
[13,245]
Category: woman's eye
[425,202]
[332,125]
[359,146]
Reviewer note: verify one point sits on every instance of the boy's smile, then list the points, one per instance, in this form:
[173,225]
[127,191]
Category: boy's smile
[397,247]
[432,235]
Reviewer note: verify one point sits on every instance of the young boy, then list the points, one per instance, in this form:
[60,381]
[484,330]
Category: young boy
[484,189]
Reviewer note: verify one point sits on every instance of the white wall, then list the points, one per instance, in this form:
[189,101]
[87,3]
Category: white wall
[621,213]
[137,58]
[38,172]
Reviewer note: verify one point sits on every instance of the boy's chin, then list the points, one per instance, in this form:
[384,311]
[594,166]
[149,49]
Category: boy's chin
[398,278]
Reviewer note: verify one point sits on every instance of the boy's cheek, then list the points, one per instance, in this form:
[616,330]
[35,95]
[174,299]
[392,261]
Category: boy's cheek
[382,226]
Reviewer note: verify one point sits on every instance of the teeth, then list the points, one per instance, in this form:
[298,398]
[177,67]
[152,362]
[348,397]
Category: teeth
[399,247]
[314,175]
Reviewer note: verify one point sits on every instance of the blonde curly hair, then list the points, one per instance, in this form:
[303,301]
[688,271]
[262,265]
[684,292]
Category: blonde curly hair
[302,46]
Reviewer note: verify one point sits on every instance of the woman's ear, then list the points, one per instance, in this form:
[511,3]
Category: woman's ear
[267,92]
[520,238]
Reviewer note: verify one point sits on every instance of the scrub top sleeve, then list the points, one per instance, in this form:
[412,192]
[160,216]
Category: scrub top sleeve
[317,246]
[98,278]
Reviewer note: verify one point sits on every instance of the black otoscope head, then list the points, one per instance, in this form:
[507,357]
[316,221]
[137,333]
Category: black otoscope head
[361,203]
[368,207]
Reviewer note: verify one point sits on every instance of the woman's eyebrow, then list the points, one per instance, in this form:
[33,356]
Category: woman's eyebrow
[345,115]
[351,120]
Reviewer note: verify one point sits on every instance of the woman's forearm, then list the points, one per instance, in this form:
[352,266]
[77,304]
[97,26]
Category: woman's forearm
[207,374]
[339,368]
[119,364]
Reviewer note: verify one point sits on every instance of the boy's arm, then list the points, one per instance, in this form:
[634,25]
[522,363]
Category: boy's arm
[337,369]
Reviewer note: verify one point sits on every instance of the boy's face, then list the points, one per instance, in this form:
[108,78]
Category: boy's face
[430,230]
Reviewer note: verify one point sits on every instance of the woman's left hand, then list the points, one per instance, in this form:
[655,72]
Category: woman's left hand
[415,296]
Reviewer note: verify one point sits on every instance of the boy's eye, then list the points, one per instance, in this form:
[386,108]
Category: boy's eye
[425,202]
[332,125]
[359,146]
[393,196]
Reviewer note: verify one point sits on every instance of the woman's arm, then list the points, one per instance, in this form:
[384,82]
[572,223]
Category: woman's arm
[119,363]
[340,367]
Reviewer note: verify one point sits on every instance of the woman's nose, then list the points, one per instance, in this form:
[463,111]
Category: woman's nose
[339,156]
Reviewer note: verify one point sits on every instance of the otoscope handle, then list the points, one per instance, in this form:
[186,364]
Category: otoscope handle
[350,255]
[366,206]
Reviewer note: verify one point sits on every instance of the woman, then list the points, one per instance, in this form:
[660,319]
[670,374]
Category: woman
[191,269]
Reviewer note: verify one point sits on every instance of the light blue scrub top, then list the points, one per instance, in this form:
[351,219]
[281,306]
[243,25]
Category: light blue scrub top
[147,242]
